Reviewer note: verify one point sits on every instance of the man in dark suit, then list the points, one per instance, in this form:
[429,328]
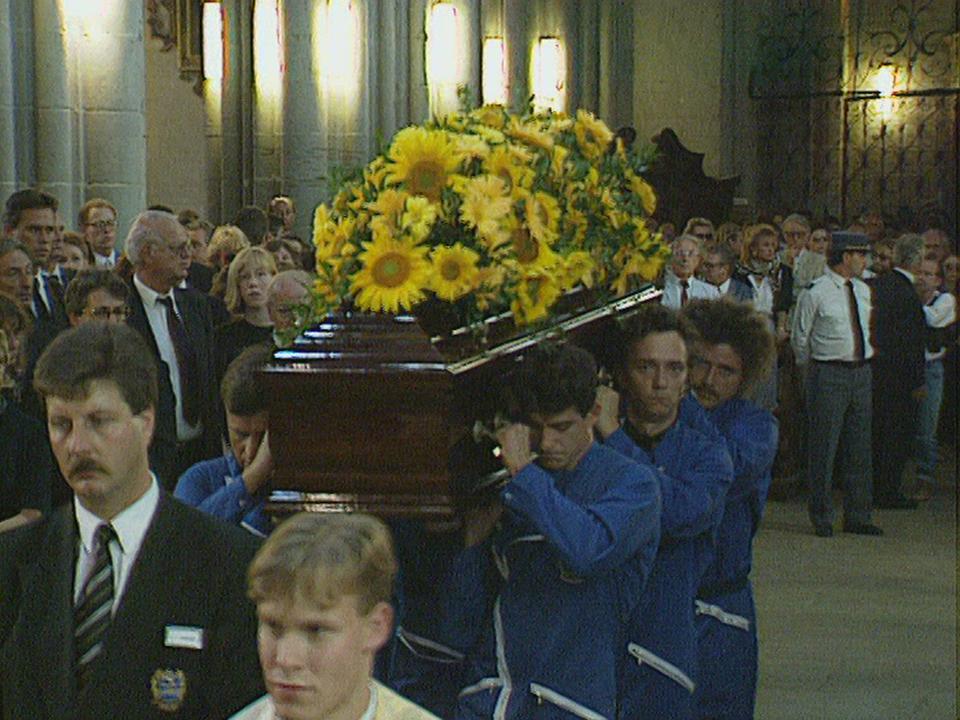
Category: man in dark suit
[178,328]
[124,603]
[898,371]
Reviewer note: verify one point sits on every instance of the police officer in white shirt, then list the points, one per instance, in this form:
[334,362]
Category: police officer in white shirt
[831,342]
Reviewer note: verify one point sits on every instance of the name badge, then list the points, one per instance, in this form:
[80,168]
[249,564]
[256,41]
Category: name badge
[181,636]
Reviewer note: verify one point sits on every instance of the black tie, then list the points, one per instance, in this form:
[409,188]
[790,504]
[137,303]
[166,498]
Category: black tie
[857,328]
[186,362]
[684,284]
[94,610]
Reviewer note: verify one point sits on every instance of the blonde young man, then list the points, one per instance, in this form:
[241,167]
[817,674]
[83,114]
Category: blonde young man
[322,587]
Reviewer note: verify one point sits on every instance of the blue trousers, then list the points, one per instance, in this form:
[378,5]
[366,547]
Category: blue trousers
[727,656]
[928,418]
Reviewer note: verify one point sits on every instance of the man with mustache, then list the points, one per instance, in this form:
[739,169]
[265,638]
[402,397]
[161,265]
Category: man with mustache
[123,603]
[735,350]
[658,660]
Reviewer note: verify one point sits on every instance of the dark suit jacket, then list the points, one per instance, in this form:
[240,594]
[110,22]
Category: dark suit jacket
[189,572]
[898,335]
[198,324]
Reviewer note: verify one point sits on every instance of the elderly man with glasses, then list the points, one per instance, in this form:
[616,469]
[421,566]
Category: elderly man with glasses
[178,327]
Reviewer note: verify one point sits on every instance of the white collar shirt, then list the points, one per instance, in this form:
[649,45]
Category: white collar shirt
[105,261]
[696,289]
[130,525]
[762,293]
[822,324]
[940,312]
[263,709]
[157,317]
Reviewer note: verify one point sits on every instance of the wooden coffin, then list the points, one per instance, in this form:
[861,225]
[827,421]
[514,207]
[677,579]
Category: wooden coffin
[373,413]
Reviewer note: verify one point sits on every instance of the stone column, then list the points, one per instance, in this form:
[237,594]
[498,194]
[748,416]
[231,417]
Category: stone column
[111,64]
[59,160]
[16,97]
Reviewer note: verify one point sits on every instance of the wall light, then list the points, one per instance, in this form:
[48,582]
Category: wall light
[267,49]
[494,71]
[337,38]
[212,41]
[443,47]
[549,70]
[885,83]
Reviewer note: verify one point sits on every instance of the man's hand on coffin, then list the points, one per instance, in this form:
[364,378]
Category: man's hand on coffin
[608,422]
[260,469]
[479,522]
[515,450]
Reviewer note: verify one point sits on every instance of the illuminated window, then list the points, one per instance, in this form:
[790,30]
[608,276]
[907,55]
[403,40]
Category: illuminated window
[494,71]
[549,75]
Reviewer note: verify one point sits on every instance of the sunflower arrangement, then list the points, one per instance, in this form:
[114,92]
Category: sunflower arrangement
[489,211]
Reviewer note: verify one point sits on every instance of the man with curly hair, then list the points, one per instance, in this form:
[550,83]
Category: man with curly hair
[688,458]
[735,349]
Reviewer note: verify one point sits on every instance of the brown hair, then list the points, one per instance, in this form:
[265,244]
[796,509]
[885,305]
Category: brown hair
[98,351]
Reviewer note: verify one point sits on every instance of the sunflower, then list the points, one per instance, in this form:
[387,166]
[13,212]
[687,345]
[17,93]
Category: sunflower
[323,225]
[529,134]
[531,254]
[489,115]
[536,294]
[502,163]
[647,196]
[388,209]
[472,146]
[542,212]
[418,218]
[578,269]
[593,135]
[485,205]
[392,277]
[454,271]
[423,161]
[375,173]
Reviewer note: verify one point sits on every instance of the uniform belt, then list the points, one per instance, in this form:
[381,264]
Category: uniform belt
[849,364]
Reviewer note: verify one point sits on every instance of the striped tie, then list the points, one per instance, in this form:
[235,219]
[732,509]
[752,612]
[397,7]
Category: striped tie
[93,612]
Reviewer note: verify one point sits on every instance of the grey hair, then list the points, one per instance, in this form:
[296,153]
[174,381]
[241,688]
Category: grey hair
[148,228]
[727,256]
[689,238]
[797,218]
[908,251]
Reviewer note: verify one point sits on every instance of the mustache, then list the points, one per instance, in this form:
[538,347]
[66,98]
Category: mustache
[85,465]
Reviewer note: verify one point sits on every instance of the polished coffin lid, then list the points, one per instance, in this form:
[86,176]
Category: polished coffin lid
[371,412]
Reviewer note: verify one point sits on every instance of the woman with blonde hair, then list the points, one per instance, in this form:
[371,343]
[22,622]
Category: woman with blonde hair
[248,276]
[772,285]
[225,243]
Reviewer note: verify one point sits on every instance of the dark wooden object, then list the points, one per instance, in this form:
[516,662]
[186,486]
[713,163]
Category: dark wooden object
[683,190]
[371,413]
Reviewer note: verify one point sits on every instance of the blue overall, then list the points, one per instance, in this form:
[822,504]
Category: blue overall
[726,617]
[658,664]
[539,609]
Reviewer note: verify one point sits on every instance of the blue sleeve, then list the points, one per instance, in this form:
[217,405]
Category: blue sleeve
[202,487]
[752,445]
[598,536]
[467,596]
[693,496]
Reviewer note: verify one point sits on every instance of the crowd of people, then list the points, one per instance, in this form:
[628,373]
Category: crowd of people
[609,577]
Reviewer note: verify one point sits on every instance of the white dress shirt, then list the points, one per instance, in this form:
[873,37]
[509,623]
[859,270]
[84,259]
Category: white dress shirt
[762,293]
[106,261]
[157,317]
[696,289]
[130,525]
[822,326]
[940,312]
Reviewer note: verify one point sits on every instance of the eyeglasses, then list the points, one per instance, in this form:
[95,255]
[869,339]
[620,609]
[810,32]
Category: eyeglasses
[704,236]
[105,313]
[102,224]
